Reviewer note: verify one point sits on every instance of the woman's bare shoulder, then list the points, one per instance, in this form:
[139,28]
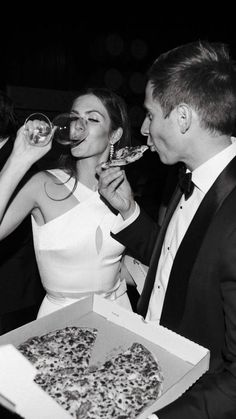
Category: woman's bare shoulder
[42,175]
[36,180]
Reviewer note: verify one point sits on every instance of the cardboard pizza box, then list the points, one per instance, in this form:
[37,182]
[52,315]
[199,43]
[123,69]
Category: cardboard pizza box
[181,360]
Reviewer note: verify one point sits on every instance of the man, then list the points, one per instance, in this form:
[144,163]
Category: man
[21,291]
[191,282]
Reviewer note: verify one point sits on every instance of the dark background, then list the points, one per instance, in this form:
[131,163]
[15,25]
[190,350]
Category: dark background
[77,45]
[73,49]
[85,45]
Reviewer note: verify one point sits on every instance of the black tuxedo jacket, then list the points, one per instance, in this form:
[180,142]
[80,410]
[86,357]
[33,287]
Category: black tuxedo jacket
[200,301]
[20,284]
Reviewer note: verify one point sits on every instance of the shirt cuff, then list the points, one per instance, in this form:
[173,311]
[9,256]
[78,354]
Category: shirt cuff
[120,223]
[152,416]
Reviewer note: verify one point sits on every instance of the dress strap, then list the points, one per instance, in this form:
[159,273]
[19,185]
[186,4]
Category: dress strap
[81,192]
[63,177]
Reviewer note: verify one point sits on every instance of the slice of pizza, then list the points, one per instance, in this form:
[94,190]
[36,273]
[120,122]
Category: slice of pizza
[125,156]
[121,388]
[66,350]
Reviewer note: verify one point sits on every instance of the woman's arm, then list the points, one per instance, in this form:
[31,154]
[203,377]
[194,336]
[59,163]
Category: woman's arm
[13,209]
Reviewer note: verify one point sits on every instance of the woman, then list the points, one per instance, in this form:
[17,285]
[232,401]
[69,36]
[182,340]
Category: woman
[71,224]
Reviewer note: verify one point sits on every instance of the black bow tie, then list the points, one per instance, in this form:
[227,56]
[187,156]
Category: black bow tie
[186,184]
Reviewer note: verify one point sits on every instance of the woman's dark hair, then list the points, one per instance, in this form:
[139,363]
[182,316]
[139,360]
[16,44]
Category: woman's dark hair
[8,120]
[118,114]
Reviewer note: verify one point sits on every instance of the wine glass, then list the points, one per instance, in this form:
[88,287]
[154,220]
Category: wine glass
[70,129]
[39,129]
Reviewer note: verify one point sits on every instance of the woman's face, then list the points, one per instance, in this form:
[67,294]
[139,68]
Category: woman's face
[96,141]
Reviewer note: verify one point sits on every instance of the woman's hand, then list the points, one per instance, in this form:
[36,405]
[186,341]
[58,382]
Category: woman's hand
[24,150]
[115,188]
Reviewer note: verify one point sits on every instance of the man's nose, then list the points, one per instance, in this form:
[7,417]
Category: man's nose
[145,128]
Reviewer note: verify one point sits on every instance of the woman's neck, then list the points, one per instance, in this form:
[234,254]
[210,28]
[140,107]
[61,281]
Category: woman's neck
[86,170]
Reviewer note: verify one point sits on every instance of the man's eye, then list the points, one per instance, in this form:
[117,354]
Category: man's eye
[149,116]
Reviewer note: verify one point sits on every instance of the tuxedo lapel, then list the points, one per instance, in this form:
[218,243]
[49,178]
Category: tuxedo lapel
[174,303]
[143,302]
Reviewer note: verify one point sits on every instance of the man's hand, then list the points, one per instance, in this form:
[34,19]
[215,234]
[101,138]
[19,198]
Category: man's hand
[115,188]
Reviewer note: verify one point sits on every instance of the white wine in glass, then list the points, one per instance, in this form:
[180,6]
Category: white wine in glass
[39,129]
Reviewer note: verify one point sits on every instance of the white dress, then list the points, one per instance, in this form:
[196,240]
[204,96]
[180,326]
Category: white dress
[76,254]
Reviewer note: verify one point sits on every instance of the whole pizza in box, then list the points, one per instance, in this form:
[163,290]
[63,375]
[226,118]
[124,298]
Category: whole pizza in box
[120,388]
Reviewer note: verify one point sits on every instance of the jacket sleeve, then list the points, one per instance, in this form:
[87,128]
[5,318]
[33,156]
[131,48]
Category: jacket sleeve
[139,237]
[204,400]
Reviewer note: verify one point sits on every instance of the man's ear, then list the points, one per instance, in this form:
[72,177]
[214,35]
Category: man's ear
[116,135]
[184,115]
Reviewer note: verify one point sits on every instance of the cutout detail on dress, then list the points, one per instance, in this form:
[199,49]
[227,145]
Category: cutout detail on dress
[99,239]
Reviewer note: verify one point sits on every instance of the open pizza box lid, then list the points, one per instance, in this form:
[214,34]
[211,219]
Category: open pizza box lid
[181,360]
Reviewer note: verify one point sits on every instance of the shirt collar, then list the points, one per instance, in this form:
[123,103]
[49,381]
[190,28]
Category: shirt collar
[205,175]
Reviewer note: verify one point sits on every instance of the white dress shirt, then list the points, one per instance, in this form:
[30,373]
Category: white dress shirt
[203,178]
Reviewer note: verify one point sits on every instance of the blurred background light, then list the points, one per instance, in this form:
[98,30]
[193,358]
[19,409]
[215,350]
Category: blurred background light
[139,49]
[137,83]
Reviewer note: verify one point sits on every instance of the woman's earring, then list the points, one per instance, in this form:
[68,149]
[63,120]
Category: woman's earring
[111,150]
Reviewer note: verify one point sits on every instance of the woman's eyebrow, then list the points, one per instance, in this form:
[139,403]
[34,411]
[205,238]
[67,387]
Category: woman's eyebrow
[95,110]
[89,112]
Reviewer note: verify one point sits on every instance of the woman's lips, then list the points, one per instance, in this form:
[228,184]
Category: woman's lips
[75,142]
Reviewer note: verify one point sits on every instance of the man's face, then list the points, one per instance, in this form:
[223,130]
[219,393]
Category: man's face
[162,133]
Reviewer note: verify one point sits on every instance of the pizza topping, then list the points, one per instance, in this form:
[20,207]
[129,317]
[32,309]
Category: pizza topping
[121,387]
